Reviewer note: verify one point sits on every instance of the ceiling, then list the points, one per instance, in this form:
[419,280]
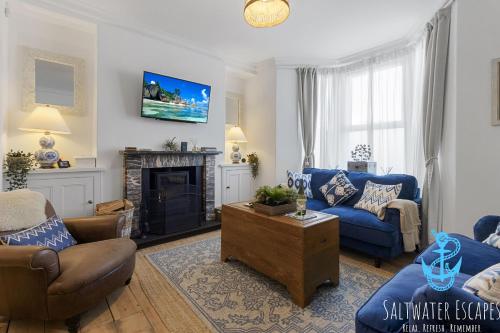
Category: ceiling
[316,29]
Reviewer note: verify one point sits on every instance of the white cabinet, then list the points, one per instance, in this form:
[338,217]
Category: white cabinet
[237,183]
[73,192]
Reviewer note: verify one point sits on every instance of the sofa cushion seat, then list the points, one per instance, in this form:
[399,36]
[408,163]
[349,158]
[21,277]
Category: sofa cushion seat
[317,205]
[400,289]
[362,225]
[85,264]
[478,257]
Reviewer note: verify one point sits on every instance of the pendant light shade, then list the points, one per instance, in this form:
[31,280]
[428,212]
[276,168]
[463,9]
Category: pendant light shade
[266,13]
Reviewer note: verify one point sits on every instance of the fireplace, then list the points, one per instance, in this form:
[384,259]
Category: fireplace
[173,193]
[171,200]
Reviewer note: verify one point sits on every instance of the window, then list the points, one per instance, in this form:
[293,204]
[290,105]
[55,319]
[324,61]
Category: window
[376,103]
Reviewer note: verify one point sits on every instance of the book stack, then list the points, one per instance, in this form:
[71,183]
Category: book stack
[208,149]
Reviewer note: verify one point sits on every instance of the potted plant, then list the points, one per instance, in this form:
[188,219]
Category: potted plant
[276,200]
[18,164]
[253,161]
[171,145]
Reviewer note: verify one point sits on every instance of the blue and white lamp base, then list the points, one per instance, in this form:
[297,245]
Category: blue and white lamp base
[47,157]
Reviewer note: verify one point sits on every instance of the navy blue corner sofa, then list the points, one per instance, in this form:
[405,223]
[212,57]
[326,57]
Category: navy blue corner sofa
[360,229]
[410,285]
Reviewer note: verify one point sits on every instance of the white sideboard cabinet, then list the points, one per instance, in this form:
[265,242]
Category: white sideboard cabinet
[73,191]
[237,183]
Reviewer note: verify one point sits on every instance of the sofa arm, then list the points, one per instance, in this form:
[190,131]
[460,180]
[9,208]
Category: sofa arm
[457,300]
[25,274]
[95,228]
[485,227]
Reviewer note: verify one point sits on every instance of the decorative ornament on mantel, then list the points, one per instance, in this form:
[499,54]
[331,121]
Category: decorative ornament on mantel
[47,120]
[266,13]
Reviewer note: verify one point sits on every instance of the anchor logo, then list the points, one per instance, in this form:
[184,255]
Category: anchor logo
[446,277]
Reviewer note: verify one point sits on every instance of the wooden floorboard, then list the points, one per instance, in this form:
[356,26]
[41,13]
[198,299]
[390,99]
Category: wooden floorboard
[151,304]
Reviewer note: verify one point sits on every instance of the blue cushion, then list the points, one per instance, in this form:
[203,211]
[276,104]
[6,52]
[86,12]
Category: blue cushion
[338,189]
[362,225]
[319,178]
[476,256]
[359,179]
[294,182]
[317,205]
[398,290]
[51,233]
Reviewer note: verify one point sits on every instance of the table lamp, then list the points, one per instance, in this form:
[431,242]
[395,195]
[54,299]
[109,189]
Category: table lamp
[48,120]
[236,136]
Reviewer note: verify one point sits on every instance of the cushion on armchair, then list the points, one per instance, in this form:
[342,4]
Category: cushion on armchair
[21,209]
[494,238]
[486,284]
[51,233]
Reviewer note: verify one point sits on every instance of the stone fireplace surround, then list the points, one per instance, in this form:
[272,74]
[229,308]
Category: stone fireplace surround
[135,161]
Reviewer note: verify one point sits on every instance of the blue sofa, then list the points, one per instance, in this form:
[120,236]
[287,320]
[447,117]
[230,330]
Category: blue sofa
[359,229]
[410,285]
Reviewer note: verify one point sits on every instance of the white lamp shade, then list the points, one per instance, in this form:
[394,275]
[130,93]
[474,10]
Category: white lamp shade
[236,135]
[266,13]
[45,119]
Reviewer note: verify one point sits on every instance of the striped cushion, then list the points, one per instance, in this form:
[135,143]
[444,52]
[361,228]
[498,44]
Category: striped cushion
[494,238]
[486,284]
[376,197]
[51,233]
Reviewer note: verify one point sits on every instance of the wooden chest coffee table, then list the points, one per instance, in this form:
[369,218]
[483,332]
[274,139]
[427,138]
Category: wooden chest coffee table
[301,255]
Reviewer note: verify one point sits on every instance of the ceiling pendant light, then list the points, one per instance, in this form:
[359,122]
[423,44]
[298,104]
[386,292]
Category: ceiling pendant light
[266,13]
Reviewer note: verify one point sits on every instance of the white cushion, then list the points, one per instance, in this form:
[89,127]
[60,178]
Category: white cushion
[494,238]
[376,197]
[486,284]
[21,209]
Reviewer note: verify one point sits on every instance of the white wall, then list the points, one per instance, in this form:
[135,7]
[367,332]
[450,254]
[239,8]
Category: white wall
[38,29]
[477,142]
[259,120]
[122,57]
[3,81]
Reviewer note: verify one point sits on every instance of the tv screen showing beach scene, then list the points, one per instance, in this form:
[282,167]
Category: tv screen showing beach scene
[168,98]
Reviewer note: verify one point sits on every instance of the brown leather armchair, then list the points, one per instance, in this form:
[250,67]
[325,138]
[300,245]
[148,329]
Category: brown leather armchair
[39,283]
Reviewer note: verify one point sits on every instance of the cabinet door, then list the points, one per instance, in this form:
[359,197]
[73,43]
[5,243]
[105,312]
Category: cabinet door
[71,197]
[232,186]
[246,190]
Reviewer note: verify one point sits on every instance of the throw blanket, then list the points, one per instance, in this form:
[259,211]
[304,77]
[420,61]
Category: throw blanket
[410,222]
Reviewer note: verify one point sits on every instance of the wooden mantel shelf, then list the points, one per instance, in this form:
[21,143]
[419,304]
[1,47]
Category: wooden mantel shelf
[164,152]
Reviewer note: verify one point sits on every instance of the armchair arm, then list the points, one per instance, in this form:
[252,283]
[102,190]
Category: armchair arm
[25,274]
[95,228]
[485,227]
[458,301]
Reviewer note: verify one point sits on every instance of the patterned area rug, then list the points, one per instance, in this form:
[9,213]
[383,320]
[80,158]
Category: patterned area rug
[232,297]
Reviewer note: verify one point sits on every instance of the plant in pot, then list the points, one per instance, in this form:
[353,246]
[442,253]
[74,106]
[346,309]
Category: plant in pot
[276,200]
[171,145]
[17,165]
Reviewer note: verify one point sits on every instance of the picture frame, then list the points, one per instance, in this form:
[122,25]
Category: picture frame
[63,164]
[495,92]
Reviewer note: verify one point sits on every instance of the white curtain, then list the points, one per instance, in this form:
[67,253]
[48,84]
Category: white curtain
[377,101]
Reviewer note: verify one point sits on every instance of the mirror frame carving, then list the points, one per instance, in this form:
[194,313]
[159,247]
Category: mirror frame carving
[29,98]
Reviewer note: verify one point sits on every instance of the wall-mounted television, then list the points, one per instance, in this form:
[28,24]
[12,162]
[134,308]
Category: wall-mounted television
[169,98]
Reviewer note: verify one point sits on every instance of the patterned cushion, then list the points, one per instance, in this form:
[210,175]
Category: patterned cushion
[494,238]
[338,189]
[486,284]
[51,233]
[294,182]
[376,197]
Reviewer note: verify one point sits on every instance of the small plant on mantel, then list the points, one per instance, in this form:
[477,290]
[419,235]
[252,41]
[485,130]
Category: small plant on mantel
[275,200]
[171,145]
[18,164]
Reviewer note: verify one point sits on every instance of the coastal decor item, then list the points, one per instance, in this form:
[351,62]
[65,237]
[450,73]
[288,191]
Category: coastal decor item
[17,165]
[236,136]
[253,161]
[54,79]
[301,200]
[338,189]
[169,98]
[266,13]
[485,285]
[47,120]
[51,233]
[376,197]
[495,110]
[276,200]
[21,209]
[171,145]
[294,180]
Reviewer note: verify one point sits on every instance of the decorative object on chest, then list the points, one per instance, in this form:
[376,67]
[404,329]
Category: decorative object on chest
[47,120]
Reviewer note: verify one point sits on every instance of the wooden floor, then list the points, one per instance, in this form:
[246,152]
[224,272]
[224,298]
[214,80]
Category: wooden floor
[150,304]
